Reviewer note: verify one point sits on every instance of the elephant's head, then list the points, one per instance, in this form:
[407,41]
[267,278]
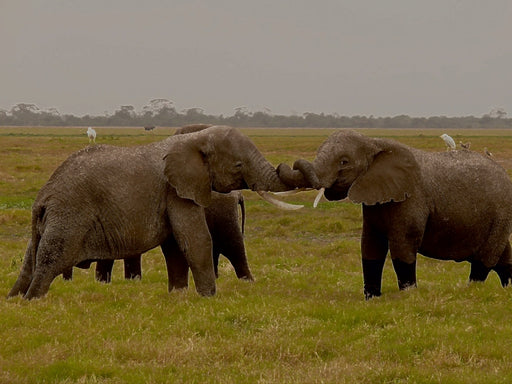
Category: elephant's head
[367,170]
[219,159]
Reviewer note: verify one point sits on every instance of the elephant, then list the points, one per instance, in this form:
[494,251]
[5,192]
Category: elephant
[106,202]
[452,205]
[222,220]
[227,236]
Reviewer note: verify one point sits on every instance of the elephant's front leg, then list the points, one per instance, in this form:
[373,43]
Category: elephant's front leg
[374,248]
[403,254]
[189,227]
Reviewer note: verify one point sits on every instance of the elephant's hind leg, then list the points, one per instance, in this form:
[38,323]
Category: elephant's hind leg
[25,277]
[504,266]
[103,271]
[51,261]
[479,271]
[132,267]
[234,250]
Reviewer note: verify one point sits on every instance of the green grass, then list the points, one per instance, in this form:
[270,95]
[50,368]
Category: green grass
[303,320]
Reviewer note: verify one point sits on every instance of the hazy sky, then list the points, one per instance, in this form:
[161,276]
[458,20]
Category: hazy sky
[352,57]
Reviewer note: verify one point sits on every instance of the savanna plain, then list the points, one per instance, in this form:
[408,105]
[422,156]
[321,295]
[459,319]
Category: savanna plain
[303,320]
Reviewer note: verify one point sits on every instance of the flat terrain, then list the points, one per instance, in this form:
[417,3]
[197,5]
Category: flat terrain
[303,320]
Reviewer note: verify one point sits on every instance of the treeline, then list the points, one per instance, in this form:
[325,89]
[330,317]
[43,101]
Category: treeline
[161,112]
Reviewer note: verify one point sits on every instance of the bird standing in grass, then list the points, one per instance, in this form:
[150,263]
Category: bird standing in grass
[91,134]
[449,141]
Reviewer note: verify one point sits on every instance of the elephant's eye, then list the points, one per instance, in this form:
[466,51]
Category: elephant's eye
[238,164]
[343,162]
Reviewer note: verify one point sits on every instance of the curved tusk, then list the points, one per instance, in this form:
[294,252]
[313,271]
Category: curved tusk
[318,197]
[278,203]
[293,191]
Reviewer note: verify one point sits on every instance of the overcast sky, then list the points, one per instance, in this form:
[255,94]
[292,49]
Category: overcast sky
[352,57]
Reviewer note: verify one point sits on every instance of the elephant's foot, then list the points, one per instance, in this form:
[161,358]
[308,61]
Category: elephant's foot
[370,292]
[405,273]
[372,274]
[206,287]
[38,288]
[505,274]
[479,271]
[68,274]
[20,287]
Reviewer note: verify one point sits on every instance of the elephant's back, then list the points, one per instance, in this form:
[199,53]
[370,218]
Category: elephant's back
[469,197]
[462,174]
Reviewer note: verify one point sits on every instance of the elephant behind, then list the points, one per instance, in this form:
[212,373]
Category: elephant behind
[227,239]
[107,202]
[454,205]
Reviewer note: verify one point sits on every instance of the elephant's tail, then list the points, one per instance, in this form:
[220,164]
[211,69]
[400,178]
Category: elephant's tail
[241,202]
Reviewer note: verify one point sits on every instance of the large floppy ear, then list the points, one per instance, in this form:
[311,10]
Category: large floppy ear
[391,176]
[186,169]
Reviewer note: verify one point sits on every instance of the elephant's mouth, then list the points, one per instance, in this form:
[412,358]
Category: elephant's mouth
[330,194]
[231,187]
[335,193]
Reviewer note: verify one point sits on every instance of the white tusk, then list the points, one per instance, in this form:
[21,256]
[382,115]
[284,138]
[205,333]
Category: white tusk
[292,191]
[278,203]
[318,197]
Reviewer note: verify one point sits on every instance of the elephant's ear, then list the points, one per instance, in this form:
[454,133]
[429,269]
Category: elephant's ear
[186,169]
[392,176]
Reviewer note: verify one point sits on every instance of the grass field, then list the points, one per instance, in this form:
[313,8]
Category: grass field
[303,320]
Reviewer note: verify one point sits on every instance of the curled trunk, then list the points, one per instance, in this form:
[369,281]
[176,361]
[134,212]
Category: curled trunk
[301,176]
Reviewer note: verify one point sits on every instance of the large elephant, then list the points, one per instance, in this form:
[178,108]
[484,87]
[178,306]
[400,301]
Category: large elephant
[227,235]
[454,205]
[107,202]
[223,224]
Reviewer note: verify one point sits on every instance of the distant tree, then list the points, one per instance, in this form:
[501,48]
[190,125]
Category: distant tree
[162,112]
[498,113]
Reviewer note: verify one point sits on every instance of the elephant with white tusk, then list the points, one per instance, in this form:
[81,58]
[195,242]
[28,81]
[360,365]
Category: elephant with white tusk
[222,218]
[107,202]
[454,205]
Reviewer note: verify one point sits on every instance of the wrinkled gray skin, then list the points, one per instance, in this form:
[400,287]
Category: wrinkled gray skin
[107,202]
[223,223]
[452,205]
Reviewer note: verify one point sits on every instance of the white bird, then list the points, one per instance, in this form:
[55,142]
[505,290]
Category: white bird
[91,134]
[449,141]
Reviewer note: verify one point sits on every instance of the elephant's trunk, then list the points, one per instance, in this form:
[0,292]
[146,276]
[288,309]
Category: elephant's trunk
[267,178]
[302,175]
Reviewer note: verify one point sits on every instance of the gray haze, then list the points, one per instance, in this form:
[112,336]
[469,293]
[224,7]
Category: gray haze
[353,57]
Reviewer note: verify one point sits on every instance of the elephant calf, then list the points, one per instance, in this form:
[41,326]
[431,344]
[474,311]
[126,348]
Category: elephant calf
[453,205]
[227,238]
